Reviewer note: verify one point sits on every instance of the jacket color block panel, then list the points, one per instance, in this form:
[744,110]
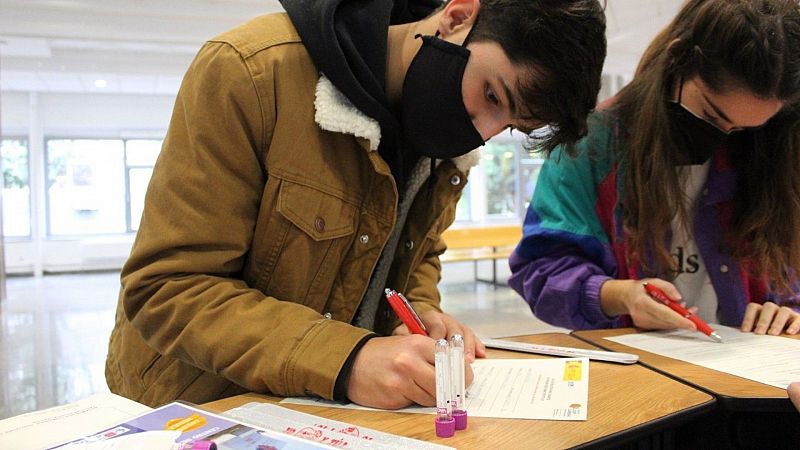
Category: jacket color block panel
[573,239]
[268,209]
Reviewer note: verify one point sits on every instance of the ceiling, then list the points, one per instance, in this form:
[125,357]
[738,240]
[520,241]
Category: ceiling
[144,46]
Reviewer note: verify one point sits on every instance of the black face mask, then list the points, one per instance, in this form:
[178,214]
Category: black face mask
[696,137]
[435,121]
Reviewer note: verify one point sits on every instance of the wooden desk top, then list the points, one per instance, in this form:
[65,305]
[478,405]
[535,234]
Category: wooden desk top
[738,390]
[621,398]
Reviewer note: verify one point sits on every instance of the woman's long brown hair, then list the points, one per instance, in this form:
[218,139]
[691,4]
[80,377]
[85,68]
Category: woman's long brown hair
[729,44]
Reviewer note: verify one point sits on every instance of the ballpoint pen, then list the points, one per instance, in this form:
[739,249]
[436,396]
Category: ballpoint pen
[458,398]
[674,305]
[445,425]
[402,307]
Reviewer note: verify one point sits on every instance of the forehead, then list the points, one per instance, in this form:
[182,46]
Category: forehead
[740,105]
[490,58]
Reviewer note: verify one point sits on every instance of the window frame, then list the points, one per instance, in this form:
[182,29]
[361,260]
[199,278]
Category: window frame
[27,144]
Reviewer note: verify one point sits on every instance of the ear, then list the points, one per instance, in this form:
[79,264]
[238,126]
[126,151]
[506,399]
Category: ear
[457,16]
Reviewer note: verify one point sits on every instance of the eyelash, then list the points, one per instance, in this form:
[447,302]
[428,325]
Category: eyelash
[490,95]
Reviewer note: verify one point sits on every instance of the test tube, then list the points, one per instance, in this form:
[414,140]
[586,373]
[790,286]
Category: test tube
[459,390]
[445,424]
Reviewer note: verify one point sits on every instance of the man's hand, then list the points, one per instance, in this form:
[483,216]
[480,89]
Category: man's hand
[629,297]
[394,372]
[444,326]
[770,318]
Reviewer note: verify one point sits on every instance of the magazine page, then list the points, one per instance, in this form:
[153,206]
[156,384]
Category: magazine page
[179,426]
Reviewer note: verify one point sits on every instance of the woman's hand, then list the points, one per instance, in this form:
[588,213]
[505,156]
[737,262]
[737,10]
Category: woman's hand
[770,318]
[629,297]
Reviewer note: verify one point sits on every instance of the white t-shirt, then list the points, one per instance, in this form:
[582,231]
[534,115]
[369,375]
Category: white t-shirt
[692,281]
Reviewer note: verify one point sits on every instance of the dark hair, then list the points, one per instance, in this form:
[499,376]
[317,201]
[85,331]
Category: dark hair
[752,45]
[563,43]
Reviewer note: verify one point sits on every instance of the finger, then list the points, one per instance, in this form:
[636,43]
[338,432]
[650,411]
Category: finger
[469,375]
[672,319]
[794,394]
[423,388]
[401,330]
[420,396]
[435,325]
[480,348]
[693,310]
[779,322]
[750,315]
[768,311]
[668,288]
[794,324]
[473,347]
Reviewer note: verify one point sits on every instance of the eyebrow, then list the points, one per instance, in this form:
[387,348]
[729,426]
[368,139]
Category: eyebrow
[512,104]
[716,108]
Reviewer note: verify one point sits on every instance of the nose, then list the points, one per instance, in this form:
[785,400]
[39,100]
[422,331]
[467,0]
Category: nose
[489,127]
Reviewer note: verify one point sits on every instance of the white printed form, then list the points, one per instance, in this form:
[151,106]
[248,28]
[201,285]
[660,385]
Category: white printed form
[770,360]
[554,389]
[550,389]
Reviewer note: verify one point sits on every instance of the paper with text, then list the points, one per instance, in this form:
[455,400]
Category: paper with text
[552,389]
[770,360]
[45,428]
[285,420]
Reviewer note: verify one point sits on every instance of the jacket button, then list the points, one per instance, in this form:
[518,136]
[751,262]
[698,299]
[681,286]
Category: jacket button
[455,180]
[364,238]
[409,244]
[327,315]
[723,268]
[319,224]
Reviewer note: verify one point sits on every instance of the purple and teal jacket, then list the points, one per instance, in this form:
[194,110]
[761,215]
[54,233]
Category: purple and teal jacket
[573,239]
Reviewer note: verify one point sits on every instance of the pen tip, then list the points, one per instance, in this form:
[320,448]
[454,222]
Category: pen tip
[715,337]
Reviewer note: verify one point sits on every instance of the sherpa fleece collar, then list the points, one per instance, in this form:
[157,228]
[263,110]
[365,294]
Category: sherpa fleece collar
[335,113]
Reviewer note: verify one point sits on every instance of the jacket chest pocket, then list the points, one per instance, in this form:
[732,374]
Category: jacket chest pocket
[307,237]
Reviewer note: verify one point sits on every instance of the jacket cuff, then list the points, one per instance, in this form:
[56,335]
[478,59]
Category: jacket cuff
[320,357]
[340,389]
[591,308]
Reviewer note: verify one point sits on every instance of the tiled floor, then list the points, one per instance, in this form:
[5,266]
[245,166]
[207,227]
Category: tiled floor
[54,331]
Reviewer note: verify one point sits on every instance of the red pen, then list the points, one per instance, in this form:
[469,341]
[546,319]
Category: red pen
[674,305]
[402,307]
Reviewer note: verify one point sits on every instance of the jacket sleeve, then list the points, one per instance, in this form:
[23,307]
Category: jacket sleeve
[564,256]
[180,285]
[422,291]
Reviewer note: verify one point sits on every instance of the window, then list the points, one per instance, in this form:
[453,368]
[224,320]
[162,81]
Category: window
[529,173]
[140,156]
[16,188]
[500,167]
[501,188]
[85,186]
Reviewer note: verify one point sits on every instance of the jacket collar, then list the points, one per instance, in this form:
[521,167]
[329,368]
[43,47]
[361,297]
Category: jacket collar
[335,113]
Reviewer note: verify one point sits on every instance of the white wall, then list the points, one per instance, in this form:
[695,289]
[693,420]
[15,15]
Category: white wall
[38,116]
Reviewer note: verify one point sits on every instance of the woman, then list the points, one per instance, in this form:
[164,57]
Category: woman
[689,179]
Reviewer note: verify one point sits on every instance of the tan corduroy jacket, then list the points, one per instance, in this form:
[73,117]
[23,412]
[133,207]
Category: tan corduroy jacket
[267,211]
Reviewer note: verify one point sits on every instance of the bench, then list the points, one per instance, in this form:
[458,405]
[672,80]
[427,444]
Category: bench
[480,244]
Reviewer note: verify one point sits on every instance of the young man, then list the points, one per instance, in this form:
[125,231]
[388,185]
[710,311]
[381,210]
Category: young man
[313,160]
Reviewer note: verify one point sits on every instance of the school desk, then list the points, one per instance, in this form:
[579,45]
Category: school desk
[749,414]
[627,404]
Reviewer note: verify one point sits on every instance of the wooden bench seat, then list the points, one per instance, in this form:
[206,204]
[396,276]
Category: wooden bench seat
[480,244]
